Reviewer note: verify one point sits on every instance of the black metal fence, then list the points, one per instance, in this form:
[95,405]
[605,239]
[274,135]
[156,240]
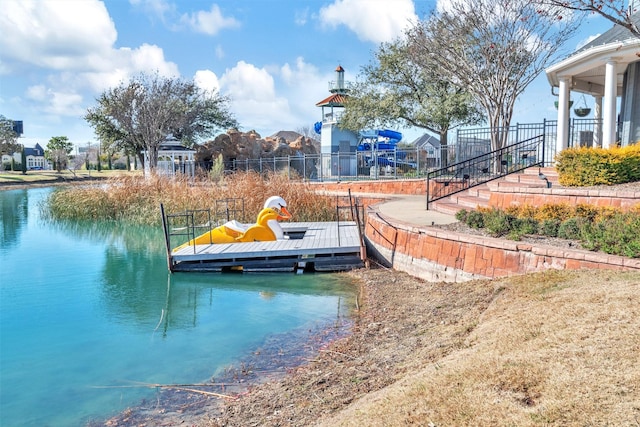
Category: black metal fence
[416,162]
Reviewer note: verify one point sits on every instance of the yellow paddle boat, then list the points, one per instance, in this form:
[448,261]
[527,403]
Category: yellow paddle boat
[266,227]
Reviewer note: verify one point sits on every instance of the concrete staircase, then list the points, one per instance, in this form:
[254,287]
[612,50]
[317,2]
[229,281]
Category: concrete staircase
[479,196]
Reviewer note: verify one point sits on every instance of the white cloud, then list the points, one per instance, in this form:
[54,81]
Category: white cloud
[371,20]
[207,80]
[54,34]
[210,22]
[301,16]
[586,41]
[253,97]
[63,103]
[159,8]
[151,58]
[219,52]
[304,85]
[70,45]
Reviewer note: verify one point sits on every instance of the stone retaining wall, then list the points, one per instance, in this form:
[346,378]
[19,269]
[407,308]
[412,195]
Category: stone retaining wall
[440,255]
[539,196]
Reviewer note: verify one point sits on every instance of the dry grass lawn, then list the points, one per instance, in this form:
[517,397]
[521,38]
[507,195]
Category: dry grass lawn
[560,348]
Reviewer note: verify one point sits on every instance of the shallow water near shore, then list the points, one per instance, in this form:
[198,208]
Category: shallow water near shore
[85,307]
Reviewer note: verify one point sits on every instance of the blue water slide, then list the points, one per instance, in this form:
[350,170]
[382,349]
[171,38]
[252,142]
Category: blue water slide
[391,134]
[370,138]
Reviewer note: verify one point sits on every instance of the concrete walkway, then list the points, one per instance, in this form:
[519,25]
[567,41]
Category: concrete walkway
[412,210]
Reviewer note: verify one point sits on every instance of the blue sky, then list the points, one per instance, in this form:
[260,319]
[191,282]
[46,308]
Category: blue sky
[274,58]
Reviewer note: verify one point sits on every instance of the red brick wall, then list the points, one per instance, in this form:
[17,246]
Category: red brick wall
[396,186]
[476,256]
[539,196]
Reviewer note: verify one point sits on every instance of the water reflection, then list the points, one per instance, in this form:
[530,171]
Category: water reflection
[14,210]
[190,294]
[99,306]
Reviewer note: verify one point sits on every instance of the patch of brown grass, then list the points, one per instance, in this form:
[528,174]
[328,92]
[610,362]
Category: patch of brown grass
[559,348]
[137,199]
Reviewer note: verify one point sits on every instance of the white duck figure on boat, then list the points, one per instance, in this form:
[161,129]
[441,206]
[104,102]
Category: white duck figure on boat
[266,227]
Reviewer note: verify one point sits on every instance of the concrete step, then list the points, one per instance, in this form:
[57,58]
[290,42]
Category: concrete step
[479,196]
[499,185]
[445,207]
[550,173]
[530,178]
[482,191]
[467,201]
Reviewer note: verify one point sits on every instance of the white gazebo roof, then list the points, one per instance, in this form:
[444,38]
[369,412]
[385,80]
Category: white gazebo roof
[587,66]
[605,68]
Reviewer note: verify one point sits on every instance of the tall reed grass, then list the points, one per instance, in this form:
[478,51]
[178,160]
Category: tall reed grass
[137,200]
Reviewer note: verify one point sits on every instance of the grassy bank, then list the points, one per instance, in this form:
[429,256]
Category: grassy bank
[48,176]
[559,348]
[137,200]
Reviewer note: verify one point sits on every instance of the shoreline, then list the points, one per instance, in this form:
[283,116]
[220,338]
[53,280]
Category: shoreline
[380,347]
[175,404]
[22,185]
[422,352]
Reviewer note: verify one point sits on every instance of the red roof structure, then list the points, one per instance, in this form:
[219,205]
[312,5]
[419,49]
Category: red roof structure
[333,100]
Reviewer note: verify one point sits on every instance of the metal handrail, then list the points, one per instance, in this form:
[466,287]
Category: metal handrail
[487,167]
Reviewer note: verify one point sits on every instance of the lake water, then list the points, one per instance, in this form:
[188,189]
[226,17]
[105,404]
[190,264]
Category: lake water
[83,306]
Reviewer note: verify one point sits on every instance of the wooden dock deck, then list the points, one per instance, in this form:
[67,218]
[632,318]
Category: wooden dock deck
[311,246]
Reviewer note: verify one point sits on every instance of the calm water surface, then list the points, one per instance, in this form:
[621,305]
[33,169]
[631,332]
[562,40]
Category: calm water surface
[89,305]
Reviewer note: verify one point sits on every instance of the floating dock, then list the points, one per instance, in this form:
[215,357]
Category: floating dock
[310,246]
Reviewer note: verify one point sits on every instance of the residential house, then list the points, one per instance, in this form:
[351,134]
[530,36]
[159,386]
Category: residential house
[35,158]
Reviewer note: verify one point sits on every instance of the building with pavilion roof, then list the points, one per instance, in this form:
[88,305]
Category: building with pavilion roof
[334,140]
[605,69]
[173,158]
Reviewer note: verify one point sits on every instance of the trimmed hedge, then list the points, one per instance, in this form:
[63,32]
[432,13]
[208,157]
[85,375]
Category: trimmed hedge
[581,167]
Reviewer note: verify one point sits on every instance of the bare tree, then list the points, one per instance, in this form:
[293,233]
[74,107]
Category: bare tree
[620,12]
[140,114]
[307,131]
[399,88]
[492,49]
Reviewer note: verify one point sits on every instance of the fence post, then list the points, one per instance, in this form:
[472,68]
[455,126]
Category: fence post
[544,142]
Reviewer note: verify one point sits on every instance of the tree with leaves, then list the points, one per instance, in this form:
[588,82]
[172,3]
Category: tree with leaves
[8,136]
[23,160]
[620,12]
[399,90]
[58,150]
[493,50]
[138,115]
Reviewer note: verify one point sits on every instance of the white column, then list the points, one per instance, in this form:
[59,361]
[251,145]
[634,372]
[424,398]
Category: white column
[597,127]
[562,141]
[610,97]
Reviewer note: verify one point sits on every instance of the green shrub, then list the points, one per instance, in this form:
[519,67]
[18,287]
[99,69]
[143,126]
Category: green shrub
[619,235]
[527,226]
[475,219]
[549,227]
[597,228]
[571,228]
[461,215]
[499,223]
